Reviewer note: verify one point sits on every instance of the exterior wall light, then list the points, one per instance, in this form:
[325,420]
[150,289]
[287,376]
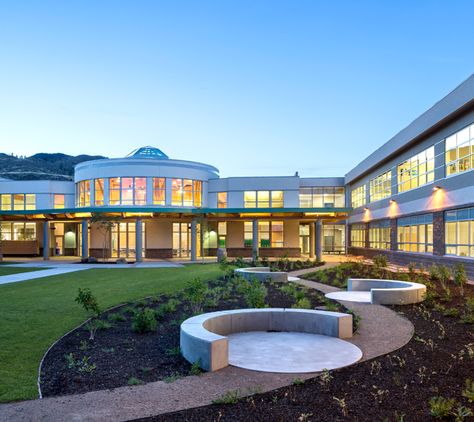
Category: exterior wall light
[435,188]
[366,209]
[392,201]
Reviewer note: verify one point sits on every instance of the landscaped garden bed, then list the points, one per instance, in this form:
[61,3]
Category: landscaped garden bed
[139,342]
[429,378]
[281,264]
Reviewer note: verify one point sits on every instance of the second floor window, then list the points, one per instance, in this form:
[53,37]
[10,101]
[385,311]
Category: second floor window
[264,199]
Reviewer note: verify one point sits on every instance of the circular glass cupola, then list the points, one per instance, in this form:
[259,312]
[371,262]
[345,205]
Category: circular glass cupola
[148,152]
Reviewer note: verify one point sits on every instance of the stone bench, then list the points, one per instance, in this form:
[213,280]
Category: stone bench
[261,274]
[203,337]
[389,292]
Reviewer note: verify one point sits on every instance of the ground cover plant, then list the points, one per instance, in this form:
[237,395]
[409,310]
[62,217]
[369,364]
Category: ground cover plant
[140,340]
[35,313]
[281,264]
[431,378]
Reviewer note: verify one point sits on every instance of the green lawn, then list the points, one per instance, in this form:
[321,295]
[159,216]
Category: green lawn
[35,313]
[16,270]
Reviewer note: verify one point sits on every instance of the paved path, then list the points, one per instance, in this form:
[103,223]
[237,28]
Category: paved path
[381,331]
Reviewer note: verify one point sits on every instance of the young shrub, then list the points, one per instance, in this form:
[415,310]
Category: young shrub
[441,407]
[195,291]
[380,261]
[87,300]
[229,397]
[460,277]
[444,276]
[303,303]
[468,391]
[434,273]
[255,294]
[134,381]
[116,317]
[144,321]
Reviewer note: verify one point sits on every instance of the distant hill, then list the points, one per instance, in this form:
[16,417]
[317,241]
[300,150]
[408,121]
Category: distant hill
[41,166]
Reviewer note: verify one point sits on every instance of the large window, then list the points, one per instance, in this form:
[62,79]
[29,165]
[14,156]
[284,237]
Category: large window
[263,199]
[186,192]
[415,234]
[380,187]
[379,234]
[358,232]
[18,231]
[270,234]
[127,191]
[17,201]
[83,193]
[221,199]
[159,191]
[358,197]
[322,197]
[460,232]
[248,234]
[416,171]
[99,192]
[58,200]
[460,151]
[334,236]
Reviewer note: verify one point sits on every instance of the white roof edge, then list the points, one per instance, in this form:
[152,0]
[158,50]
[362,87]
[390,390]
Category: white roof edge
[457,99]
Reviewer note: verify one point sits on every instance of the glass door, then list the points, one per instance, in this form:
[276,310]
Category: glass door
[181,240]
[124,240]
[305,239]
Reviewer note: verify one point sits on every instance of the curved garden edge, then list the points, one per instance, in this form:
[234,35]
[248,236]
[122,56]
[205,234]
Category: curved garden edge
[140,401]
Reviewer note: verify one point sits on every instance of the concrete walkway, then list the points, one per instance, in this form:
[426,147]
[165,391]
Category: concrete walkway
[381,331]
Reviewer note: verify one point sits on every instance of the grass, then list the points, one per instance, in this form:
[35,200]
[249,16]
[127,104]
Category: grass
[37,312]
[16,270]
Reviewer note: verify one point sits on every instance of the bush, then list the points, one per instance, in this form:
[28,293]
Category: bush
[195,291]
[87,300]
[144,321]
[303,303]
[380,261]
[460,277]
[440,407]
[255,294]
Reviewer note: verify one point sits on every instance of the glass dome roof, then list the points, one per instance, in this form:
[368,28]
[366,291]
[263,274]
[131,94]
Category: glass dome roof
[148,152]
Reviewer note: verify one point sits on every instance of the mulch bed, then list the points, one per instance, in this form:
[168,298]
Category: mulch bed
[394,387]
[123,357]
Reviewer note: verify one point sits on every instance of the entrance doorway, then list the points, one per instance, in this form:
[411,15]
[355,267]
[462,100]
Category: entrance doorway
[123,242]
[181,240]
[305,239]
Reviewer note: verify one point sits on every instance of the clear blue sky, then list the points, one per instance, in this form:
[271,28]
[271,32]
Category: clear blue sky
[253,87]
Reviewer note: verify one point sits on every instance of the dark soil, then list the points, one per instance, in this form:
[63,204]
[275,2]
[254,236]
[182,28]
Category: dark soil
[123,357]
[395,387]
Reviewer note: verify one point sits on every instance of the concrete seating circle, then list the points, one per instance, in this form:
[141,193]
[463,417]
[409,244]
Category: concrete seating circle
[203,338]
[261,274]
[381,292]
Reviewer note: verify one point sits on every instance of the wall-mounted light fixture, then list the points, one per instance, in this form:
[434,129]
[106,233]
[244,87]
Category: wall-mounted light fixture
[366,209]
[392,201]
[435,188]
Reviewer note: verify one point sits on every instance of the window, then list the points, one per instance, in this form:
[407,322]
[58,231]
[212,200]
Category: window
[460,232]
[358,196]
[6,202]
[222,233]
[186,192]
[416,171]
[460,151]
[139,197]
[30,201]
[319,197]
[99,192]
[114,191]
[334,236]
[58,200]
[415,234]
[248,234]
[379,234]
[263,199]
[221,199]
[270,234]
[18,231]
[358,235]
[83,193]
[381,186]
[127,191]
[159,191]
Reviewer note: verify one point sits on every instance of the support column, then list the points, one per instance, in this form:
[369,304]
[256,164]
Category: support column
[311,239]
[46,240]
[138,240]
[85,239]
[318,243]
[193,240]
[439,241]
[254,240]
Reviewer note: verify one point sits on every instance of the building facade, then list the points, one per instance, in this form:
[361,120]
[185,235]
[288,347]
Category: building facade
[412,199]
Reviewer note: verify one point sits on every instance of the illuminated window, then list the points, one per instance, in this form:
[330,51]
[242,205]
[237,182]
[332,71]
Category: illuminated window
[263,199]
[159,191]
[248,234]
[21,201]
[177,192]
[58,200]
[126,191]
[5,231]
[6,202]
[358,232]
[322,197]
[358,197]
[83,193]
[415,234]
[139,185]
[186,192]
[460,151]
[197,193]
[270,234]
[221,199]
[114,191]
[18,231]
[379,234]
[459,236]
[380,187]
[416,171]
[99,192]
[222,233]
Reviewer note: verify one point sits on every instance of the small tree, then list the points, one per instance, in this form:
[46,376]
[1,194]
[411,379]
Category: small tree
[87,300]
[460,277]
[105,225]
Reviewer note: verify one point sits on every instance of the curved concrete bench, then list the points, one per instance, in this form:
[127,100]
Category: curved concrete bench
[389,292]
[203,337]
[261,274]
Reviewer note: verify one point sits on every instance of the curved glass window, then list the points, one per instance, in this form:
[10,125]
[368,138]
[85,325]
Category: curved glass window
[186,192]
[83,193]
[159,191]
